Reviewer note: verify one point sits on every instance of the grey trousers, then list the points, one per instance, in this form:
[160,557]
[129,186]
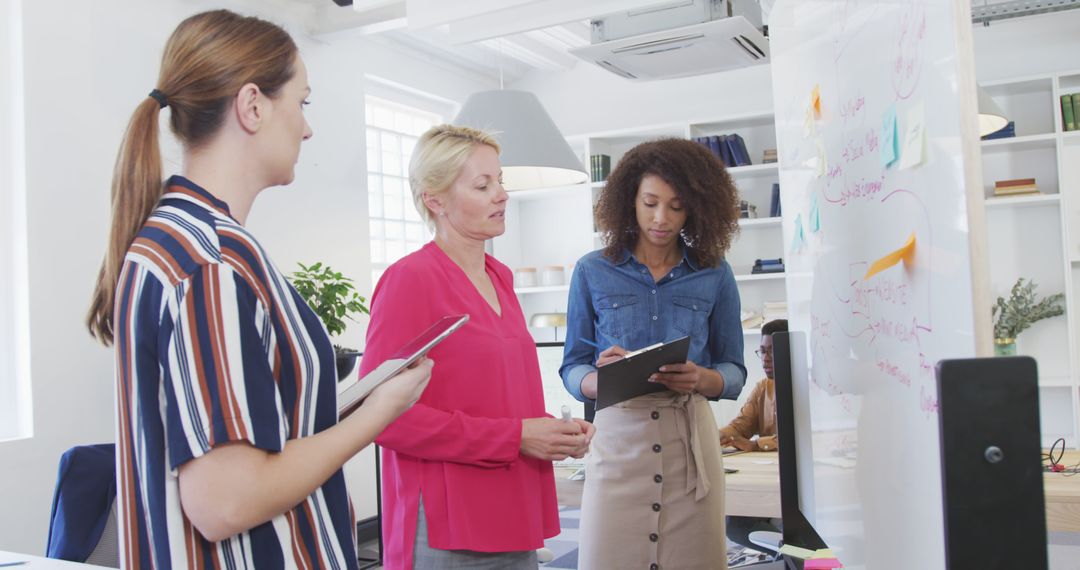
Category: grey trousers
[427,558]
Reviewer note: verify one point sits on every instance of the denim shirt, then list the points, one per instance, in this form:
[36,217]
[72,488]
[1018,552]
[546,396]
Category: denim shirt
[620,303]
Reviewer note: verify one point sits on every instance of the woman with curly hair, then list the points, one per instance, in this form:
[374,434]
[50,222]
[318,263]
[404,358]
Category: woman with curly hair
[654,489]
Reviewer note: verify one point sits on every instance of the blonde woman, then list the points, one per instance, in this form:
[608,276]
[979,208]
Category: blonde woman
[229,450]
[467,476]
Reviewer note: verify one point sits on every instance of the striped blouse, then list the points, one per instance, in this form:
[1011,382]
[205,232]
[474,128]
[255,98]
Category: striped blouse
[214,345]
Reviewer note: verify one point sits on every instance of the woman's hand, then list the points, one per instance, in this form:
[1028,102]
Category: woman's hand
[610,354]
[681,378]
[737,441]
[399,393]
[554,440]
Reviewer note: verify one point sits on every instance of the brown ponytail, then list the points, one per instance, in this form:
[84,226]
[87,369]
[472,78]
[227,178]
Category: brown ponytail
[208,58]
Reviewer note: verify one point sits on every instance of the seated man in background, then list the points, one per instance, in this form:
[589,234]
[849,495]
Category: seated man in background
[757,417]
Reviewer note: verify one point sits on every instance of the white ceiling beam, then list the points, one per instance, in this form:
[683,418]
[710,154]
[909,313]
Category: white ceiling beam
[572,34]
[369,5]
[504,18]
[533,52]
[333,20]
[431,13]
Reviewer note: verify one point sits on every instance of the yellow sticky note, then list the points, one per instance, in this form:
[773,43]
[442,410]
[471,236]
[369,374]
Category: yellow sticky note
[815,101]
[796,551]
[905,254]
[823,553]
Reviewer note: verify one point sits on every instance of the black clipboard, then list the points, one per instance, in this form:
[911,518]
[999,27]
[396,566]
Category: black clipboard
[629,377]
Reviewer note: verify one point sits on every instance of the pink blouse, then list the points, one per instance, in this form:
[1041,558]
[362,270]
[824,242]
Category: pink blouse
[459,445]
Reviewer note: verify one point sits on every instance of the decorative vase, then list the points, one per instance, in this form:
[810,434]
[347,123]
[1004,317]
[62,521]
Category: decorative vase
[1004,347]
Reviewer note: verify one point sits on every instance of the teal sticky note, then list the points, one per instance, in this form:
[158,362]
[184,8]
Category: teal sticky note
[890,148]
[799,239]
[815,215]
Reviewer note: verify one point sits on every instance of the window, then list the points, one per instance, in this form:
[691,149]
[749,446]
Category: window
[15,411]
[396,227]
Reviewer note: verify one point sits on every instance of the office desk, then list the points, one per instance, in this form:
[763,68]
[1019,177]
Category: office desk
[1062,494]
[38,562]
[753,491]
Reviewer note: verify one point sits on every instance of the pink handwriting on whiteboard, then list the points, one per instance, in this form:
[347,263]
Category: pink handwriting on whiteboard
[907,61]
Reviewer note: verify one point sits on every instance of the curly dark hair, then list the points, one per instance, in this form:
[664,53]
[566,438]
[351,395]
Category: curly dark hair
[703,185]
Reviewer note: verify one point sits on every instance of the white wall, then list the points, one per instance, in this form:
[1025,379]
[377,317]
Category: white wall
[1027,46]
[86,67]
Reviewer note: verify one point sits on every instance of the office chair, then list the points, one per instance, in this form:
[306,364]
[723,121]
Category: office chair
[82,526]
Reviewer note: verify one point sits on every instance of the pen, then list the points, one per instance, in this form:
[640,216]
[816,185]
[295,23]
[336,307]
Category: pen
[566,417]
[17,563]
[589,342]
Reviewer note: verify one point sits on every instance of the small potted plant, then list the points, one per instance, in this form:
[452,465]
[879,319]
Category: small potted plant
[1020,312]
[333,297]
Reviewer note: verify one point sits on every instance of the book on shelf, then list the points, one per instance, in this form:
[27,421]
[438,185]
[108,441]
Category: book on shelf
[768,266]
[1006,132]
[737,148]
[769,156]
[599,167]
[1076,110]
[1016,190]
[751,320]
[1068,115]
[772,310]
[1015,187]
[730,149]
[774,201]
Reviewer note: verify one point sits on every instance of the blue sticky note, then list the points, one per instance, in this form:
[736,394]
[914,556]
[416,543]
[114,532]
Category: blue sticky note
[799,239]
[890,148]
[815,215]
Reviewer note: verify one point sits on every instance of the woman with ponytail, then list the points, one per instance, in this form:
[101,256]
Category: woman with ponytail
[229,449]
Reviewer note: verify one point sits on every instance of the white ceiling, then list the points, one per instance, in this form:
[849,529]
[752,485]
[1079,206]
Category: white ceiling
[521,39]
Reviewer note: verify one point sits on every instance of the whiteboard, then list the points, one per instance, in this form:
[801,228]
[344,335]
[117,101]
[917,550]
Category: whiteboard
[874,337]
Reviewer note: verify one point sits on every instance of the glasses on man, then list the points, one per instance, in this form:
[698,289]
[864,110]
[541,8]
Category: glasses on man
[762,352]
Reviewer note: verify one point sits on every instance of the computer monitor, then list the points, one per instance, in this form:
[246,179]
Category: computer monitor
[550,357]
[794,439]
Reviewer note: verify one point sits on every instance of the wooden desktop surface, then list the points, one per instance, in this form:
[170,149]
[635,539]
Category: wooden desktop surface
[1062,492]
[755,489]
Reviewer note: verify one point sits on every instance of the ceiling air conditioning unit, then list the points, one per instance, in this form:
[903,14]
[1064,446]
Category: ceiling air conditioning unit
[678,39]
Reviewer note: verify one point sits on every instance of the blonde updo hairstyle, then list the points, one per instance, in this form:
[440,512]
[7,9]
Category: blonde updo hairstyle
[437,160]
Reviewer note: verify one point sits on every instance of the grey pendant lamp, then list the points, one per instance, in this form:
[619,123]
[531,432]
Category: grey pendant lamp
[991,117]
[534,152]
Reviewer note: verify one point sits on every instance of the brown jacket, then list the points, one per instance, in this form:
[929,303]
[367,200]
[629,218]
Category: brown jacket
[757,417]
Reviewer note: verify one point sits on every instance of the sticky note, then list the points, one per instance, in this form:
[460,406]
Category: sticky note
[815,102]
[796,551]
[905,254]
[799,238]
[914,138]
[889,150]
[822,161]
[815,215]
[822,564]
[823,553]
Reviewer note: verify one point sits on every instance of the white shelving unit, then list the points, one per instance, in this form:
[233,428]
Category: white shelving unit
[1038,236]
[555,226]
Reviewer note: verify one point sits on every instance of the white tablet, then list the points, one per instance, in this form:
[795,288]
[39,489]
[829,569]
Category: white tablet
[350,397]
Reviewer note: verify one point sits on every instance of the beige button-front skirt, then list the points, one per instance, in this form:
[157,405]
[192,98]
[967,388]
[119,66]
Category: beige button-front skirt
[654,487]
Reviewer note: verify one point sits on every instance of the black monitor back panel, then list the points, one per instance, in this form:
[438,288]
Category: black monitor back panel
[992,478]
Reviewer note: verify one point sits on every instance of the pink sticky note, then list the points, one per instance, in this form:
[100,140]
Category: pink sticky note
[822,564]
